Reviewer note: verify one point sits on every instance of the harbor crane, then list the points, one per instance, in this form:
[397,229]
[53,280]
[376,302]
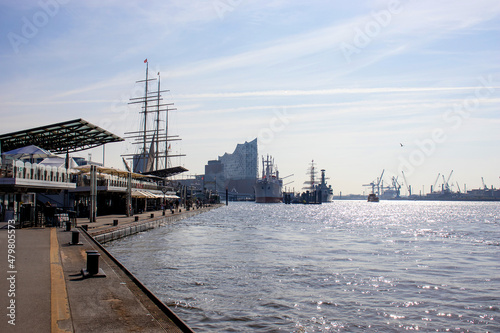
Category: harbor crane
[377,184]
[396,185]
[446,184]
[485,187]
[408,187]
[434,186]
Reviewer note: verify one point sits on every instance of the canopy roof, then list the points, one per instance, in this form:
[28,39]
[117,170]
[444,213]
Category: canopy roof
[69,136]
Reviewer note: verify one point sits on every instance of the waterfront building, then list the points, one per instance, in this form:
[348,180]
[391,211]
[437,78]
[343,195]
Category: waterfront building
[236,172]
[31,184]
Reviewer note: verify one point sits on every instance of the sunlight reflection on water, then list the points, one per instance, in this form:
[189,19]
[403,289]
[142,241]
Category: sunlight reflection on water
[346,266]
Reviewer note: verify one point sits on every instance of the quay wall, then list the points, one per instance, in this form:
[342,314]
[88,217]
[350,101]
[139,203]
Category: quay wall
[127,230]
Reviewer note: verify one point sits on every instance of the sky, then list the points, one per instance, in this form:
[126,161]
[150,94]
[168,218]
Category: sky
[359,87]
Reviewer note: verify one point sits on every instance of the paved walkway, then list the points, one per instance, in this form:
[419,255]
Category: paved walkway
[30,291]
[50,295]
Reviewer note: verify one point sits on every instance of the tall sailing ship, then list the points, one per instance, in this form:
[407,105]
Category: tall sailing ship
[153,155]
[318,188]
[268,189]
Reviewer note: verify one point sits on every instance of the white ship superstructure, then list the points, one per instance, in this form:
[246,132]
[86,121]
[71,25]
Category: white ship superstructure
[268,189]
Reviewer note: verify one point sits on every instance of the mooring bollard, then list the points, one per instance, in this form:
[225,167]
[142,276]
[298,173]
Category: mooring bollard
[93,269]
[85,227]
[115,223]
[152,215]
[163,213]
[68,225]
[75,238]
[136,218]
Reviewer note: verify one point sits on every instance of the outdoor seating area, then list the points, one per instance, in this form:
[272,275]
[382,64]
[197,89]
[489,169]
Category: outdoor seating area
[28,171]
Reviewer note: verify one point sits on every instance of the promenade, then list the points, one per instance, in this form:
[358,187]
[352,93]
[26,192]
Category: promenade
[46,291]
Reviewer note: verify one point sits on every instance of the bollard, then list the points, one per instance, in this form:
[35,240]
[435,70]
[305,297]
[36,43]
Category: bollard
[93,262]
[75,238]
[152,215]
[136,218]
[68,226]
[93,269]
[115,223]
[85,227]
[163,213]
[172,211]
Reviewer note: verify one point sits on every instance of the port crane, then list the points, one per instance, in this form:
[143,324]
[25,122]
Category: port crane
[435,183]
[377,184]
[485,187]
[446,184]
[408,187]
[396,186]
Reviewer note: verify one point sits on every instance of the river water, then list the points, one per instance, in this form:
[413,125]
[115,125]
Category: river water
[346,266]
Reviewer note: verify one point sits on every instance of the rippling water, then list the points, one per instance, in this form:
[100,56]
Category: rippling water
[347,266]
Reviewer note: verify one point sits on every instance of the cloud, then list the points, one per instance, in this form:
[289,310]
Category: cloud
[337,91]
[416,25]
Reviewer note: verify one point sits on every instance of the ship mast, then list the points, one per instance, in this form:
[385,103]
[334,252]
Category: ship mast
[150,159]
[144,161]
[310,184]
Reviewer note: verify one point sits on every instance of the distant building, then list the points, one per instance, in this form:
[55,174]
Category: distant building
[237,172]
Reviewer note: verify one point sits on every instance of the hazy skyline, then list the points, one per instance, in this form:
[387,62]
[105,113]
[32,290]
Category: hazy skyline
[356,87]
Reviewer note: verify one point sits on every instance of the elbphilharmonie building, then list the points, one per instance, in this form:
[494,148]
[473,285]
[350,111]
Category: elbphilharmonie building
[237,171]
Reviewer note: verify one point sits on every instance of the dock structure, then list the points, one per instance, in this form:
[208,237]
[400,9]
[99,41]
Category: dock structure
[113,227]
[53,295]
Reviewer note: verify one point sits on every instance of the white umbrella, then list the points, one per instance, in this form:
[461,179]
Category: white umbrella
[31,152]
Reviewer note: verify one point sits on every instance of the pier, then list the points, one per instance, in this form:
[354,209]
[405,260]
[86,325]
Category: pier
[113,227]
[50,293]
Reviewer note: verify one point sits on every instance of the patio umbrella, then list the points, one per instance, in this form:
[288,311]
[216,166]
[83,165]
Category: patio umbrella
[32,152]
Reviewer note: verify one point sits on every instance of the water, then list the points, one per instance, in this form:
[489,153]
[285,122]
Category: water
[347,266]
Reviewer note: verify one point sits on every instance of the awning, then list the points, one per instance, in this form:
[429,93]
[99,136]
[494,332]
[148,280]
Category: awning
[30,151]
[65,137]
[111,171]
[145,194]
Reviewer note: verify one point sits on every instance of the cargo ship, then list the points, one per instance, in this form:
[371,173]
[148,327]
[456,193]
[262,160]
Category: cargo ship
[268,189]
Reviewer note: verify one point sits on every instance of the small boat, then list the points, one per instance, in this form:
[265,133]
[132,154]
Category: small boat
[372,197]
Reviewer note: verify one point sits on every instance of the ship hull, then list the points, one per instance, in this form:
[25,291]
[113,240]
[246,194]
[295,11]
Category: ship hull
[328,198]
[268,200]
[268,192]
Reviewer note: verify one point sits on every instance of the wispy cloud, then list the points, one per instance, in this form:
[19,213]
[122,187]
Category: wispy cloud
[338,91]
